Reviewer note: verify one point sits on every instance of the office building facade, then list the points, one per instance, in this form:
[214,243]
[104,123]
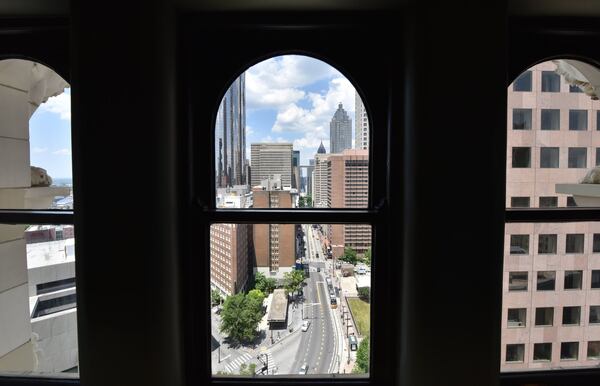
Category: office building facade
[361,124]
[340,131]
[269,159]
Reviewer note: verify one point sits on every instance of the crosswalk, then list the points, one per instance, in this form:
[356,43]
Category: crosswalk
[234,366]
[272,369]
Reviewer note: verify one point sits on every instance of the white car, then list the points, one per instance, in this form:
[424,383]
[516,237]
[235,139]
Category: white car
[305,325]
[303,369]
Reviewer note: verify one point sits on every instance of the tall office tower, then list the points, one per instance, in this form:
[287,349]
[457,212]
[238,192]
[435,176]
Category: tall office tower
[551,302]
[274,244]
[268,159]
[309,176]
[361,124]
[349,188]
[230,249]
[230,136]
[340,131]
[296,169]
[321,183]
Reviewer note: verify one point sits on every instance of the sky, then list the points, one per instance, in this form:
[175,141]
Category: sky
[292,98]
[50,136]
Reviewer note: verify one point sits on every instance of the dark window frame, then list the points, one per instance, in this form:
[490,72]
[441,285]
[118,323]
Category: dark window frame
[270,40]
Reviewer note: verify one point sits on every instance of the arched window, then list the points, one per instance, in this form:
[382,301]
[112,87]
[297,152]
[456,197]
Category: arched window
[551,259]
[291,133]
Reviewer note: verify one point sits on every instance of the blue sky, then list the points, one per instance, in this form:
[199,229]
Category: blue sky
[292,98]
[50,136]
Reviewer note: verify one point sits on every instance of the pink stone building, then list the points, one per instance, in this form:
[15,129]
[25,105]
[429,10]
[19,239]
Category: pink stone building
[551,286]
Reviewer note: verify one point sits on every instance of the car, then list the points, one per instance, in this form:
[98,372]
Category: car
[305,325]
[318,269]
[303,369]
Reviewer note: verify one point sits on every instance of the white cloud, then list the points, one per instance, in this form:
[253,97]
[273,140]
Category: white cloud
[60,104]
[39,150]
[278,81]
[62,152]
[249,130]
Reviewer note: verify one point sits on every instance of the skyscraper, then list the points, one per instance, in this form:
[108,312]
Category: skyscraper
[340,131]
[296,169]
[361,124]
[269,159]
[230,135]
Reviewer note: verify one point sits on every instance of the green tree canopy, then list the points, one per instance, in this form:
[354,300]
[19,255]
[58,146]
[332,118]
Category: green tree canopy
[367,257]
[215,297]
[293,280]
[240,317]
[265,284]
[362,357]
[364,293]
[349,256]
[248,369]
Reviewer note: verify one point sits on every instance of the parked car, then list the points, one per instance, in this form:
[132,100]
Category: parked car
[305,325]
[303,369]
[353,343]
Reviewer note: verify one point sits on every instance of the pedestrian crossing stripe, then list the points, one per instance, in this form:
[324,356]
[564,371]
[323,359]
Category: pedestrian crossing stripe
[234,366]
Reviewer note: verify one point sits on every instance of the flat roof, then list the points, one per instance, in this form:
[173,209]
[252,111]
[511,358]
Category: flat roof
[278,310]
[50,253]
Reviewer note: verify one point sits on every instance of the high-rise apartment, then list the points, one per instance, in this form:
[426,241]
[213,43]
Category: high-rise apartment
[340,131]
[230,263]
[274,244]
[361,124]
[551,297]
[269,159]
[230,136]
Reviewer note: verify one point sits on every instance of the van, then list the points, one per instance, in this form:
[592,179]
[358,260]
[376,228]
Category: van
[361,269]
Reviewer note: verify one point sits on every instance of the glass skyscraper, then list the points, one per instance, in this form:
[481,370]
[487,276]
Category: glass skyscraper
[230,136]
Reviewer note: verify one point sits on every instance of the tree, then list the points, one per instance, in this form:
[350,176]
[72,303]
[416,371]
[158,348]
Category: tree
[308,200]
[367,257]
[301,202]
[248,369]
[349,256]
[240,317]
[255,299]
[293,281]
[215,297]
[362,358]
[265,284]
[364,293]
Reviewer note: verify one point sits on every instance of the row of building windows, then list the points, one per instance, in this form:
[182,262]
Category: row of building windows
[550,119]
[550,83]
[546,280]
[544,202]
[543,351]
[544,316]
[547,243]
[549,157]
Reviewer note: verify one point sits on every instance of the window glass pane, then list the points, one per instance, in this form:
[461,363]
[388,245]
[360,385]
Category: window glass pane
[596,246]
[38,307]
[323,321]
[523,82]
[292,123]
[35,137]
[598,120]
[595,278]
[515,352]
[574,243]
[549,157]
[516,317]
[519,202]
[517,281]
[544,316]
[594,314]
[554,163]
[573,279]
[548,202]
[522,119]
[571,315]
[521,157]
[542,351]
[593,351]
[550,81]
[597,156]
[577,157]
[546,280]
[577,119]
[550,119]
[547,244]
[569,350]
[519,244]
